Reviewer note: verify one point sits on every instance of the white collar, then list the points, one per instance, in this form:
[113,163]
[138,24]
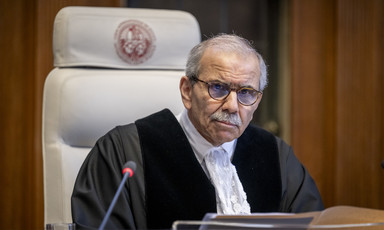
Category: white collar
[199,144]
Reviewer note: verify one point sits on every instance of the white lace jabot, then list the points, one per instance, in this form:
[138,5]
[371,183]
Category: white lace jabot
[199,144]
[230,195]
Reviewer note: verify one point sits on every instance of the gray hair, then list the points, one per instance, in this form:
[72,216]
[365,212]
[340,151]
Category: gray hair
[226,42]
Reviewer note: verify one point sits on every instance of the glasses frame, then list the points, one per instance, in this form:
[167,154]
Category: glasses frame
[259,93]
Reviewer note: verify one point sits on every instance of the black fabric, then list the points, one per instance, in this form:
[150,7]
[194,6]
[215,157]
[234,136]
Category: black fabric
[257,163]
[169,183]
[174,188]
[173,174]
[96,184]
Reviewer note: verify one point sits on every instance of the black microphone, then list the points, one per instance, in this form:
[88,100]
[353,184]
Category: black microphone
[382,164]
[128,170]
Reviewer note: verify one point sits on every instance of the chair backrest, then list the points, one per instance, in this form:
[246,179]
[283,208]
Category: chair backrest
[112,66]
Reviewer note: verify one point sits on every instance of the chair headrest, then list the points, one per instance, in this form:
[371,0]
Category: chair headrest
[123,38]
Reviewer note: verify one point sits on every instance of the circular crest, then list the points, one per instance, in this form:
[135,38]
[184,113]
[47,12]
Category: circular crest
[134,41]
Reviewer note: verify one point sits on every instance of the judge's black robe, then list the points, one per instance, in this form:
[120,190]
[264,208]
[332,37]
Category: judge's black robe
[169,184]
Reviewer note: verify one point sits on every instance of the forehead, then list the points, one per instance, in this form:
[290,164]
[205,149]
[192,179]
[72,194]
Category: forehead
[232,65]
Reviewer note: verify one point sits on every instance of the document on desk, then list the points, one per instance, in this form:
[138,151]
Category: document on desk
[337,217]
[259,221]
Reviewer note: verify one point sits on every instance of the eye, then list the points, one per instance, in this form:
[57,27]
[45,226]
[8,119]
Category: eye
[245,91]
[217,86]
[218,90]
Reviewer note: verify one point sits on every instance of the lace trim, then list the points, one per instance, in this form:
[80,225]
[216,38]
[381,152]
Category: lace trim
[230,195]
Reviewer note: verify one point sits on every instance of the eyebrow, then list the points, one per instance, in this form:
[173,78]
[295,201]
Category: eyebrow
[232,85]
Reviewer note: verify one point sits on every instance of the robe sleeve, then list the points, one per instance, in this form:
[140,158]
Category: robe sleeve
[300,193]
[99,179]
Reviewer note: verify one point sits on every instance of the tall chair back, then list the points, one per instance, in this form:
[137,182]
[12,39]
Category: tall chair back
[111,67]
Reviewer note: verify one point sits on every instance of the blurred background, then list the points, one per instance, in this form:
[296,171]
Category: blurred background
[325,96]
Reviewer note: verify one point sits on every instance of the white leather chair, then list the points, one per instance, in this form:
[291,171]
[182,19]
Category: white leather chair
[112,66]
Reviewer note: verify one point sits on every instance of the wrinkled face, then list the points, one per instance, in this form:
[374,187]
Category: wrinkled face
[233,69]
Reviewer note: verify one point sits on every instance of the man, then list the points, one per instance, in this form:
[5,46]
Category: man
[207,159]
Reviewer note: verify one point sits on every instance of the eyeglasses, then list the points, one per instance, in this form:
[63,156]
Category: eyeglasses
[220,91]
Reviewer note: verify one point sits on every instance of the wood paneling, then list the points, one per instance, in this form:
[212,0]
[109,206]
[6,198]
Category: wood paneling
[313,90]
[337,97]
[17,114]
[360,117]
[25,61]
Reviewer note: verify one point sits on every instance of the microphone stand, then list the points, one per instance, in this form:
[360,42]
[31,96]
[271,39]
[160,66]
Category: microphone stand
[106,217]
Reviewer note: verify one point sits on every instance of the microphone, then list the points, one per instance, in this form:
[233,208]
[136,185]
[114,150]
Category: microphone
[382,164]
[128,170]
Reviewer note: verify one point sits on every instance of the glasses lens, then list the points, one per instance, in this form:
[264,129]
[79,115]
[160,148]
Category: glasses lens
[247,96]
[218,90]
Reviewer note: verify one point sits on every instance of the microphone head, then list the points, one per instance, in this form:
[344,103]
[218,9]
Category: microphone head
[130,166]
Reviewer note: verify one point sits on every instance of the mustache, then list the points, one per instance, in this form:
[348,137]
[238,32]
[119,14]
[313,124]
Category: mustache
[232,118]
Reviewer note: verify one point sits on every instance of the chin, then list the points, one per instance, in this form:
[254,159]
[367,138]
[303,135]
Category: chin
[226,139]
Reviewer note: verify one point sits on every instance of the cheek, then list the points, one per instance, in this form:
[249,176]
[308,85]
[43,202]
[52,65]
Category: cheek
[198,109]
[203,110]
[203,104]
[246,115]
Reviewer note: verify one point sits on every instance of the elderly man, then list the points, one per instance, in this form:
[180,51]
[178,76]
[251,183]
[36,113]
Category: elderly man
[207,159]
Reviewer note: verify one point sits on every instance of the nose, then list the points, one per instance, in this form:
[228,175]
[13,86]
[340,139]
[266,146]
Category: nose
[230,103]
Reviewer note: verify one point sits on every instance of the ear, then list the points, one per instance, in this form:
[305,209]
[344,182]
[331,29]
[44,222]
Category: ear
[186,92]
